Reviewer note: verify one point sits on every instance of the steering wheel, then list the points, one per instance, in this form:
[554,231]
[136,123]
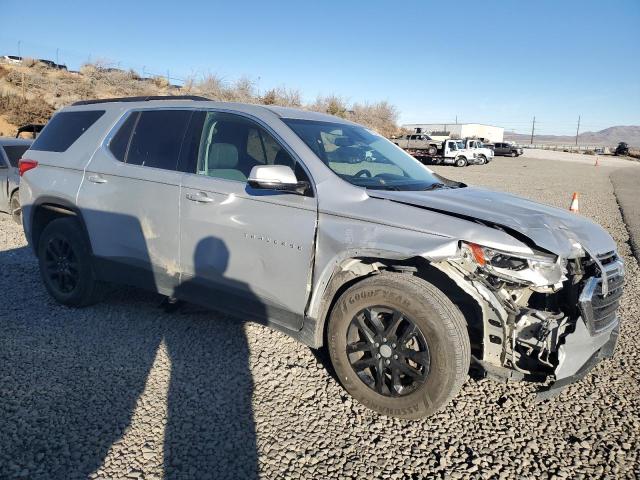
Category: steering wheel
[364,172]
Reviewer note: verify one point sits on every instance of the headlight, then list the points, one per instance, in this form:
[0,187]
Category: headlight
[536,270]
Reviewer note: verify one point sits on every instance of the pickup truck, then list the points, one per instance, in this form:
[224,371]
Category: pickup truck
[507,149]
[484,154]
[418,141]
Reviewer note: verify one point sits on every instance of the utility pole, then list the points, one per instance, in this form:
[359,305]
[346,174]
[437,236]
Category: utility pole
[533,129]
[578,130]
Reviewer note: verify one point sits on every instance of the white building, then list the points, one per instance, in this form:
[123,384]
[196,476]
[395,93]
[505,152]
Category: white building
[487,133]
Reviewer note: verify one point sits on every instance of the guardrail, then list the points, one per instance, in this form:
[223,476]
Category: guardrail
[565,148]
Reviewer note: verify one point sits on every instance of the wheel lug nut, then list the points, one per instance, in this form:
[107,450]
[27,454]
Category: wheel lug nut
[395,357]
[377,344]
[387,362]
[393,345]
[378,355]
[384,340]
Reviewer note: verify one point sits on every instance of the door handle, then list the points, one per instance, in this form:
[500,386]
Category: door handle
[199,197]
[96,179]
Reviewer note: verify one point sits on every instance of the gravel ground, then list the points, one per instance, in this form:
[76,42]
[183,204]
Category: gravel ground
[125,390]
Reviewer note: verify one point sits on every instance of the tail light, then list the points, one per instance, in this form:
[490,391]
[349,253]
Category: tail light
[25,165]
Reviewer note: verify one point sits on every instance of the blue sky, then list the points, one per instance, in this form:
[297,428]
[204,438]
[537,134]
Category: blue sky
[497,62]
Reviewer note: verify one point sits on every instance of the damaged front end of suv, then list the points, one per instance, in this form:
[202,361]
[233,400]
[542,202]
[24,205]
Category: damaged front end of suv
[546,316]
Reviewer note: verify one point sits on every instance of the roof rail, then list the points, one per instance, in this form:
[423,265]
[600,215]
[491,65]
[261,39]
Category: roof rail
[140,99]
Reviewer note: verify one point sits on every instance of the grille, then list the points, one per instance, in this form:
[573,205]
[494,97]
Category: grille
[599,311]
[608,258]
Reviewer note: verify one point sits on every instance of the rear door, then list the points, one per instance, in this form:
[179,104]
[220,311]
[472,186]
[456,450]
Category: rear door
[241,249]
[130,199]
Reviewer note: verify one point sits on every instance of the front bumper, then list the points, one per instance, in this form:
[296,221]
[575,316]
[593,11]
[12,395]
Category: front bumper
[579,357]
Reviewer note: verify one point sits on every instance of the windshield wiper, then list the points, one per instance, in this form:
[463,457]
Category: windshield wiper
[383,187]
[436,186]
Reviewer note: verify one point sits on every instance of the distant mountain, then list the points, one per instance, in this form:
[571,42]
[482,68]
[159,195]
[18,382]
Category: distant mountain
[608,137]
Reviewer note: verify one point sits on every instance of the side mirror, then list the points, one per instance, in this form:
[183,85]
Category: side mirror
[276,177]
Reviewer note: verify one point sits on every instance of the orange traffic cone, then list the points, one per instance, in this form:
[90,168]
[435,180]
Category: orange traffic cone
[574,203]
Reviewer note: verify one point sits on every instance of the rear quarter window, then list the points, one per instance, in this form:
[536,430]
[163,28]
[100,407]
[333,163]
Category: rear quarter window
[157,138]
[64,129]
[14,153]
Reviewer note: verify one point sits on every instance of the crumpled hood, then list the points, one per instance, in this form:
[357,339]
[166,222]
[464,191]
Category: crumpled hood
[548,227]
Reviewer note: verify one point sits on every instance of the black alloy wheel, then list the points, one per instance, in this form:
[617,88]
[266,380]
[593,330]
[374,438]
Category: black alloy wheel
[66,264]
[388,351]
[61,265]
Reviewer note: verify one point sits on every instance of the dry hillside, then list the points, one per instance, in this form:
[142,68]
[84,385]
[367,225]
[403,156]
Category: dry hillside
[31,92]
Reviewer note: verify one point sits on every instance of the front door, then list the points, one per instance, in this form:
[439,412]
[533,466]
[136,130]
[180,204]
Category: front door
[243,250]
[130,198]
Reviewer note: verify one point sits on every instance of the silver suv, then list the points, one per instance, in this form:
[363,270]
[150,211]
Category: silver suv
[324,230]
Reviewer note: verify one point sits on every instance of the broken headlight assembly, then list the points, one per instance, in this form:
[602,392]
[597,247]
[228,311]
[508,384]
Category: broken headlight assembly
[536,270]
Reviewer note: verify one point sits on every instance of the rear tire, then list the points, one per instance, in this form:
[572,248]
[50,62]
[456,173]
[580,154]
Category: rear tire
[461,162]
[66,264]
[432,150]
[441,364]
[15,208]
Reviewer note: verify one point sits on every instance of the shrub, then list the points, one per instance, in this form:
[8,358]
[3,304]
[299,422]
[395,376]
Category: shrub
[19,111]
[46,89]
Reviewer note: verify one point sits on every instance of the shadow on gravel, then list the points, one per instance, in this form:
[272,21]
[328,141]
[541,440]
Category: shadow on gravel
[70,379]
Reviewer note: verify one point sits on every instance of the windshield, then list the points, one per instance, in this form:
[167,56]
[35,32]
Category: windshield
[364,158]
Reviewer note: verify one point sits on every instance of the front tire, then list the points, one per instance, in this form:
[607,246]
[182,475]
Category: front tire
[513,154]
[66,264]
[482,160]
[399,345]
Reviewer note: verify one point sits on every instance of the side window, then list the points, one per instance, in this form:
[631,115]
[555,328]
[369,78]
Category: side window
[14,153]
[157,138]
[255,146]
[119,144]
[231,145]
[64,129]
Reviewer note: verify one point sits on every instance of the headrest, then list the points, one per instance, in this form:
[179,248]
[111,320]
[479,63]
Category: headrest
[342,141]
[223,155]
